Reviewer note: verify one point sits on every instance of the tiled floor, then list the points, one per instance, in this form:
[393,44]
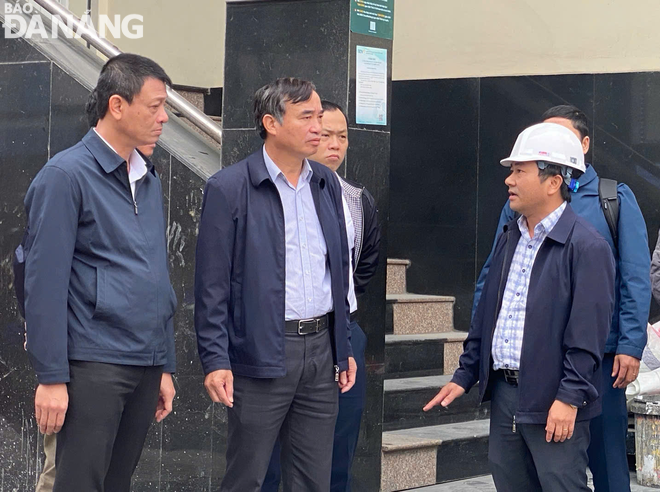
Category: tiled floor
[485,484]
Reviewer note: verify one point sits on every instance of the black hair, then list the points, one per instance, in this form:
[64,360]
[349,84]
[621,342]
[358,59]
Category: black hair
[330,106]
[272,98]
[122,75]
[567,111]
[554,170]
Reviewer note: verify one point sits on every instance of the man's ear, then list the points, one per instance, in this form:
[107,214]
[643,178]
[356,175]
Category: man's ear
[270,124]
[115,106]
[586,141]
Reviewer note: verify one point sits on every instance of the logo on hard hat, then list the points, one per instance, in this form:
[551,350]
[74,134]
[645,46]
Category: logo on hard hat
[543,152]
[573,160]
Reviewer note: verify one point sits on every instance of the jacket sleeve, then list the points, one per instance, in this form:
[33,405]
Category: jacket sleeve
[345,261]
[52,204]
[588,323]
[368,261]
[215,251]
[634,264]
[506,216]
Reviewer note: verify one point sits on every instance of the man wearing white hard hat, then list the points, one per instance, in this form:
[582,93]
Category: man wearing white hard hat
[615,214]
[537,338]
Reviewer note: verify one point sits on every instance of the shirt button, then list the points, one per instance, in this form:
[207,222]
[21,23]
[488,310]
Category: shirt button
[510,316]
[523,270]
[517,293]
[506,340]
[506,365]
[529,247]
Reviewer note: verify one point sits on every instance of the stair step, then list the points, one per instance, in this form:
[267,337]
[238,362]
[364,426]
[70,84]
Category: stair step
[409,314]
[404,399]
[485,483]
[460,451]
[396,276]
[431,354]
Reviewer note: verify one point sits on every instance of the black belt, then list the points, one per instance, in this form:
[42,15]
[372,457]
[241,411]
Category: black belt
[307,326]
[353,317]
[511,376]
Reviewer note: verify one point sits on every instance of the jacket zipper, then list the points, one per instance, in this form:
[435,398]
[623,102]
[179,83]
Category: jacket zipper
[514,424]
[336,373]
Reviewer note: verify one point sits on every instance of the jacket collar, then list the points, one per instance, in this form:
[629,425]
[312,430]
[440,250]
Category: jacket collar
[559,232]
[564,226]
[259,173]
[107,158]
[588,176]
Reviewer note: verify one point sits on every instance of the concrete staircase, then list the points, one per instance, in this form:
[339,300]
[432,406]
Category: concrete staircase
[421,353]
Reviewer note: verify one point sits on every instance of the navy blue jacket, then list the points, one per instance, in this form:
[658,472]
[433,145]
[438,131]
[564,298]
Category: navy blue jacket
[569,304]
[97,285]
[240,271]
[633,263]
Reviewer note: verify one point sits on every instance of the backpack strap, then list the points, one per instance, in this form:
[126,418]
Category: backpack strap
[609,202]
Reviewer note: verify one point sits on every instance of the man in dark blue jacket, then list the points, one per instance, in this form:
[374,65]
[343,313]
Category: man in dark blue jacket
[627,337]
[271,308]
[537,338]
[98,301]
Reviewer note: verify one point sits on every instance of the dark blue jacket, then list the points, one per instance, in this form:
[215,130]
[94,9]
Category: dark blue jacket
[633,263]
[569,304]
[96,273]
[240,271]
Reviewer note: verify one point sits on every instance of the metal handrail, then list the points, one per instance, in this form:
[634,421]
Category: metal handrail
[174,99]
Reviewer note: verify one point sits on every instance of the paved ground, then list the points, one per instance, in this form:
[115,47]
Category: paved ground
[485,484]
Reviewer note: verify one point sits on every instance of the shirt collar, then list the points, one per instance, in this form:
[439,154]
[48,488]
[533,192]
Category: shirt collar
[274,171]
[546,225]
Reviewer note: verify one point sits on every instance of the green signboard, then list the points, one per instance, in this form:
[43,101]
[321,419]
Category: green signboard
[373,17]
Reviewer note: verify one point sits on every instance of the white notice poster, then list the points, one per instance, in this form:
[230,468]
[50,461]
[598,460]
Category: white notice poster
[371,86]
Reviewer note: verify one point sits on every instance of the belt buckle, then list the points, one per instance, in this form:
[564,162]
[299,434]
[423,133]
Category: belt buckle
[309,320]
[510,377]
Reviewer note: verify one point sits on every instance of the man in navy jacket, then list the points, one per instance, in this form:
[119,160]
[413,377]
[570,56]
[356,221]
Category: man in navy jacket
[537,338]
[271,284]
[99,305]
[627,338]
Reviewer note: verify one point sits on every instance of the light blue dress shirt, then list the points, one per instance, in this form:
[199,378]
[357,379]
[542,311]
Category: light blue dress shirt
[510,327]
[308,284]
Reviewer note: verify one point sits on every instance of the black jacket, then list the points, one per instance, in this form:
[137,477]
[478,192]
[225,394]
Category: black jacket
[569,310]
[366,259]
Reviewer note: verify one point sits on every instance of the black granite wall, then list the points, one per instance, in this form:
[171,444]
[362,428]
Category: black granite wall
[446,183]
[42,113]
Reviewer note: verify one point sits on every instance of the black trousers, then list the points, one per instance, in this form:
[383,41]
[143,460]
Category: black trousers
[300,408]
[523,460]
[110,409]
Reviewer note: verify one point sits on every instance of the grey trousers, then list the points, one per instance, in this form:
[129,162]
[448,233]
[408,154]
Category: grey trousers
[47,477]
[524,461]
[300,408]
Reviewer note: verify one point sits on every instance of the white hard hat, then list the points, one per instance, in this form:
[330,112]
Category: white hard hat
[549,142]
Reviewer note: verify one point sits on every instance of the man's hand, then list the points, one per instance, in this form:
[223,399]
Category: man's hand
[561,422]
[625,370]
[50,404]
[220,386]
[347,378]
[165,396]
[445,396]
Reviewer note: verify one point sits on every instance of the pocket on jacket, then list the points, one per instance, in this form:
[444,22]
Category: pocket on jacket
[99,307]
[236,307]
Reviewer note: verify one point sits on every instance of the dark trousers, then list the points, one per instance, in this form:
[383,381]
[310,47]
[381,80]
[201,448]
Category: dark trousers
[300,408]
[110,409]
[347,428]
[607,452]
[523,460]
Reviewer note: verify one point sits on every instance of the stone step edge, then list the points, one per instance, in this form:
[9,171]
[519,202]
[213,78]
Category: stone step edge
[435,435]
[447,336]
[398,261]
[478,480]
[416,383]
[416,298]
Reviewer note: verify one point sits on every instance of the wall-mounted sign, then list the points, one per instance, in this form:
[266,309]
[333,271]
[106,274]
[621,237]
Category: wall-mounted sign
[373,17]
[371,86]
